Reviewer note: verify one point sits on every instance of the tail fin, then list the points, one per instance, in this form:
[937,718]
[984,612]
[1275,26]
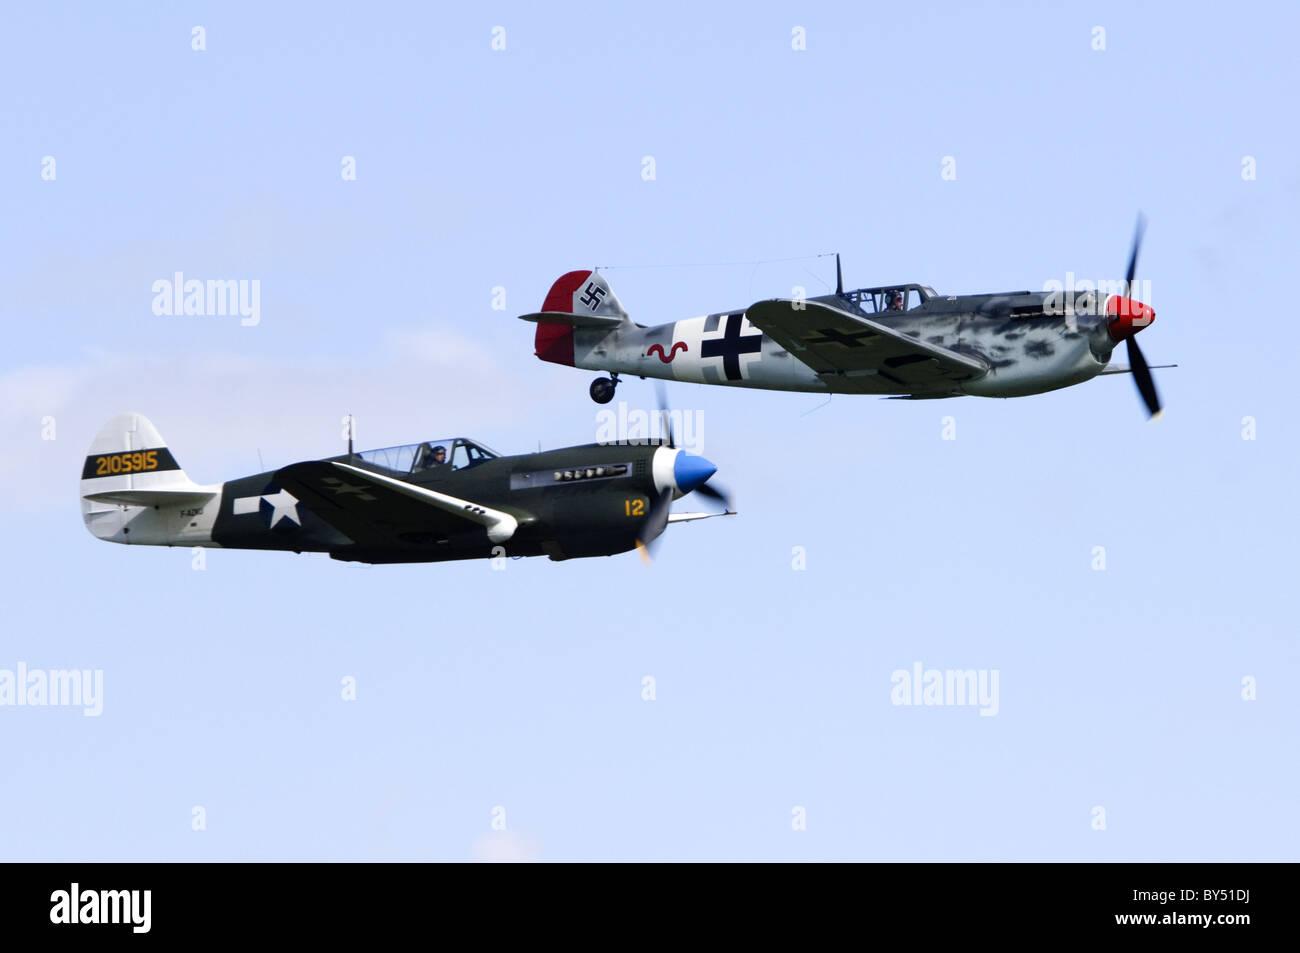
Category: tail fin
[579,299]
[129,465]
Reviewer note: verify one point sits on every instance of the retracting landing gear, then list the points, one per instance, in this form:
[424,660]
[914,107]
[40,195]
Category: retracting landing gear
[602,388]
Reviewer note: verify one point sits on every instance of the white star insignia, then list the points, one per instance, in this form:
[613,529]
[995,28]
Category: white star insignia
[284,506]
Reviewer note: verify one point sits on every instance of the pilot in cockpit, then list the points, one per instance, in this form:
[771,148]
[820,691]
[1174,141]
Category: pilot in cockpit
[895,300]
[430,457]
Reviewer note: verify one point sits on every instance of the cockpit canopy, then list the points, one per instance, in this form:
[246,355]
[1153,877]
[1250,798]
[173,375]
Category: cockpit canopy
[893,299]
[458,453]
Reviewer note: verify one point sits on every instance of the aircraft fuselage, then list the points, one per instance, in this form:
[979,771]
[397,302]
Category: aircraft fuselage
[1027,350]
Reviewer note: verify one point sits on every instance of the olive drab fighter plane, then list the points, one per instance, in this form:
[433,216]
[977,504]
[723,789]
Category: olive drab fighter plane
[901,341]
[425,502]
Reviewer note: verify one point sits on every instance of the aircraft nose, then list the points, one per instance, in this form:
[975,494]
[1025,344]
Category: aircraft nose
[1127,317]
[690,471]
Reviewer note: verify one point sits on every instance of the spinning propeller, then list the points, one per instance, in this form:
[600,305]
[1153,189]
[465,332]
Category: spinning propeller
[1128,317]
[691,473]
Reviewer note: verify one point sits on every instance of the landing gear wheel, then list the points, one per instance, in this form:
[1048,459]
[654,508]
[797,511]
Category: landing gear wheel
[602,389]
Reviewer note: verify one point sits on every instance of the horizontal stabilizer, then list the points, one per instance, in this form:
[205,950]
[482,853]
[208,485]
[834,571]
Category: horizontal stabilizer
[608,322]
[158,497]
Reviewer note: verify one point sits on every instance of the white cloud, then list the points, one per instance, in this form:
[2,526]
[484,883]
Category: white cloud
[218,411]
[439,349]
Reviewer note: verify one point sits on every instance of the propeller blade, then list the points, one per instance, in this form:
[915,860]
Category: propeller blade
[1146,384]
[715,493]
[654,524]
[1133,254]
[665,416]
[839,277]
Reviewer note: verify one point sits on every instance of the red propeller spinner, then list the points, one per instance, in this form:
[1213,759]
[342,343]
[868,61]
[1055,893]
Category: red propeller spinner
[1128,317]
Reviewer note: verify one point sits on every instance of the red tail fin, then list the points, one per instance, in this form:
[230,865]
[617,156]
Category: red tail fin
[554,342]
[560,297]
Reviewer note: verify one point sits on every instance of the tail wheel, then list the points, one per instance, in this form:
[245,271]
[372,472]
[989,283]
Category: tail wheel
[602,390]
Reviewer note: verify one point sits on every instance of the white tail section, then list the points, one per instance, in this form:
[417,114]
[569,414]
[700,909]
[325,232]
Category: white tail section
[129,473]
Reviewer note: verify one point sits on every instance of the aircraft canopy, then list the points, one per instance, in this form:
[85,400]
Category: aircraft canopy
[457,452]
[893,298]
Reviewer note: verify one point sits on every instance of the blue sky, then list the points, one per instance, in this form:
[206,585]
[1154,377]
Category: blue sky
[522,689]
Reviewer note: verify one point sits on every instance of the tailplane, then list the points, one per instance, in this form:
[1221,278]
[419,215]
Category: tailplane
[579,299]
[129,465]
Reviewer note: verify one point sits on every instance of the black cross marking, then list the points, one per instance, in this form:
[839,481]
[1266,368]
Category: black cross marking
[731,345]
[832,336]
[592,298]
[904,359]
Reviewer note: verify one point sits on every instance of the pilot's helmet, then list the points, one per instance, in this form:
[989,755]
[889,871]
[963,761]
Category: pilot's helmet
[440,451]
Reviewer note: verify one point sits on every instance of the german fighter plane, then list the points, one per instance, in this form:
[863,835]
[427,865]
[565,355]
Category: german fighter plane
[903,341]
[425,502]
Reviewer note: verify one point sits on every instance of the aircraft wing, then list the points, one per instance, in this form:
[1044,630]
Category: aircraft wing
[376,510]
[1113,368]
[858,351]
[688,517]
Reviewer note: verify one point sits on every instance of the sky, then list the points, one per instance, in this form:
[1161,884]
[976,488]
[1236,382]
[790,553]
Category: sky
[1129,584]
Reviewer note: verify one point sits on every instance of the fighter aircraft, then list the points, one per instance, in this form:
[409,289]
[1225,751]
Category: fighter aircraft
[904,341]
[424,502]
